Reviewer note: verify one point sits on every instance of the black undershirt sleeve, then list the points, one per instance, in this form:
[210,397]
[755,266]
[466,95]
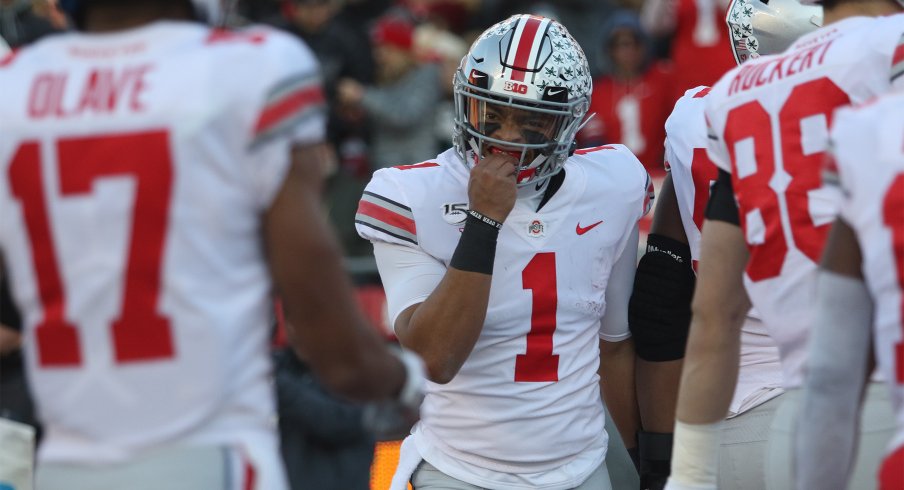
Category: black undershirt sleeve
[722,205]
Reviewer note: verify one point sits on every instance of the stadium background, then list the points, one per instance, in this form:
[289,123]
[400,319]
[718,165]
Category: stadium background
[376,55]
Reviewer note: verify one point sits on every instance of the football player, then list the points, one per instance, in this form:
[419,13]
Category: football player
[660,305]
[157,178]
[859,297]
[508,262]
[767,222]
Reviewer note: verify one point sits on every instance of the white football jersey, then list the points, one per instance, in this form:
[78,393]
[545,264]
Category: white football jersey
[686,161]
[868,146]
[527,399]
[134,170]
[693,174]
[768,122]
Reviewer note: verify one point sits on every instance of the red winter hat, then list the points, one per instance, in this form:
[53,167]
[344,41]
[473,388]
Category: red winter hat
[393,31]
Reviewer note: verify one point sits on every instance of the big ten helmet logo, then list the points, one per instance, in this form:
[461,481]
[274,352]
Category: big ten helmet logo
[518,88]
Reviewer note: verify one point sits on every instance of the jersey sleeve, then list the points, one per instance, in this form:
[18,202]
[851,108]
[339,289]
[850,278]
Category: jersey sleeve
[384,213]
[631,173]
[847,142]
[649,195]
[290,110]
[715,143]
[409,275]
[896,66]
[614,324]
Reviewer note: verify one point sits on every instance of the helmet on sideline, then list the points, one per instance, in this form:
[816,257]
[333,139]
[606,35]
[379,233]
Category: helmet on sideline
[759,28]
[209,11]
[531,64]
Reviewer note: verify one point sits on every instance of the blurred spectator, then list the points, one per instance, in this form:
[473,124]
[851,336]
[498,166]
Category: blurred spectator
[24,21]
[402,103]
[700,47]
[324,443]
[361,14]
[342,53]
[582,18]
[448,15]
[262,11]
[339,54]
[446,50]
[632,101]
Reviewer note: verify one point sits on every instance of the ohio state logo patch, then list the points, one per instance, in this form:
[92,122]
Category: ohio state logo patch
[536,228]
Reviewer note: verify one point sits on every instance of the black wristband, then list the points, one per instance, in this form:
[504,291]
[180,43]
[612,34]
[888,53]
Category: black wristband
[485,219]
[680,252]
[476,250]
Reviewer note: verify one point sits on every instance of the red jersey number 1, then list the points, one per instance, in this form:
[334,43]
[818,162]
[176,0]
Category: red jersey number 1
[539,364]
[140,332]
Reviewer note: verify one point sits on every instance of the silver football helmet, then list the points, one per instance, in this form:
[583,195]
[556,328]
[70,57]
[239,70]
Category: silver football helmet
[532,67]
[759,28]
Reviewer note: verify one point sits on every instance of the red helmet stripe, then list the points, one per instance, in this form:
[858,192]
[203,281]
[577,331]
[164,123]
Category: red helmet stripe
[526,33]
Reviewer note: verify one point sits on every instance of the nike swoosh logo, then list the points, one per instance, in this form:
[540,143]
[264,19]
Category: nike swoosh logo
[581,231]
[556,92]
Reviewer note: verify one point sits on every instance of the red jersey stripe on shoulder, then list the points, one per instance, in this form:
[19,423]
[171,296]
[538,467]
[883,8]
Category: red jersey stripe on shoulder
[898,56]
[386,216]
[417,165]
[8,59]
[584,151]
[225,35]
[288,106]
[702,93]
[897,60]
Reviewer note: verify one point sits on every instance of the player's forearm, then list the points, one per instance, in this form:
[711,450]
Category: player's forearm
[346,353]
[618,388]
[444,329]
[707,384]
[719,307]
[710,370]
[657,393]
[330,332]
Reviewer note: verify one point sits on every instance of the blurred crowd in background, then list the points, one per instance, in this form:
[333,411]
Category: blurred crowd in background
[387,68]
